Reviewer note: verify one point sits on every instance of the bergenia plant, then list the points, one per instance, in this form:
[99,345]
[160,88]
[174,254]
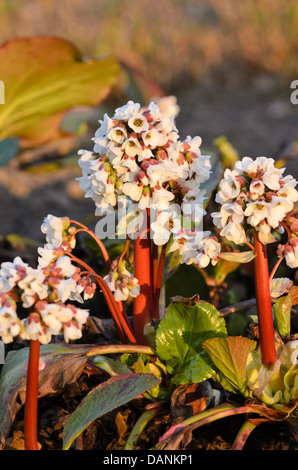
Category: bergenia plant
[146,184]
[257,209]
[141,168]
[138,162]
[256,204]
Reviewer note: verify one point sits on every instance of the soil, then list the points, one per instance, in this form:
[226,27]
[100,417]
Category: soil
[112,430]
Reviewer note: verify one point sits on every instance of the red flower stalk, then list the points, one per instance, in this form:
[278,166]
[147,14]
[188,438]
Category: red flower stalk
[30,426]
[265,317]
[143,303]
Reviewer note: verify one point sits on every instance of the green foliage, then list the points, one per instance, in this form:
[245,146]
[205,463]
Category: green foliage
[229,356]
[282,311]
[140,363]
[179,340]
[104,398]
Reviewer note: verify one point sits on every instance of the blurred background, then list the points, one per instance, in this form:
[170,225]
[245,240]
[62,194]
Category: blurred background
[230,64]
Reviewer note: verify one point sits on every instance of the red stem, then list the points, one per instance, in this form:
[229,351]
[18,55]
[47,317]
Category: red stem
[116,308]
[97,240]
[143,303]
[118,317]
[262,286]
[31,403]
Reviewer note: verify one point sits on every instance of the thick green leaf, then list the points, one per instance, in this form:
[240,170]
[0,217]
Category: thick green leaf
[45,77]
[104,398]
[111,366]
[241,257]
[8,149]
[140,363]
[230,355]
[179,340]
[282,311]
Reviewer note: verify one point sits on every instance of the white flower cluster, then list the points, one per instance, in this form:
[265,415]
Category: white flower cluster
[43,292]
[138,154]
[121,282]
[61,240]
[255,195]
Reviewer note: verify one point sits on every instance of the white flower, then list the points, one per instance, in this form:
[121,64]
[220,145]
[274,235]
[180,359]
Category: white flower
[279,286]
[161,198]
[118,134]
[278,208]
[229,187]
[209,252]
[54,227]
[35,330]
[65,289]
[33,287]
[71,331]
[10,325]
[228,213]
[11,273]
[121,282]
[138,123]
[132,146]
[65,266]
[133,190]
[256,212]
[127,111]
[166,223]
[47,255]
[263,196]
[287,189]
[271,178]
[187,243]
[234,233]
[290,257]
[256,188]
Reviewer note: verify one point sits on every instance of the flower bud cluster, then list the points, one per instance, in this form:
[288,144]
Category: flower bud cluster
[43,292]
[60,236]
[137,153]
[121,282]
[254,196]
[290,249]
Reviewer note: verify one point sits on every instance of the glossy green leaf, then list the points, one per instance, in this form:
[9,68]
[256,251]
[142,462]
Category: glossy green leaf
[111,366]
[104,398]
[282,311]
[179,340]
[45,77]
[230,355]
[141,363]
